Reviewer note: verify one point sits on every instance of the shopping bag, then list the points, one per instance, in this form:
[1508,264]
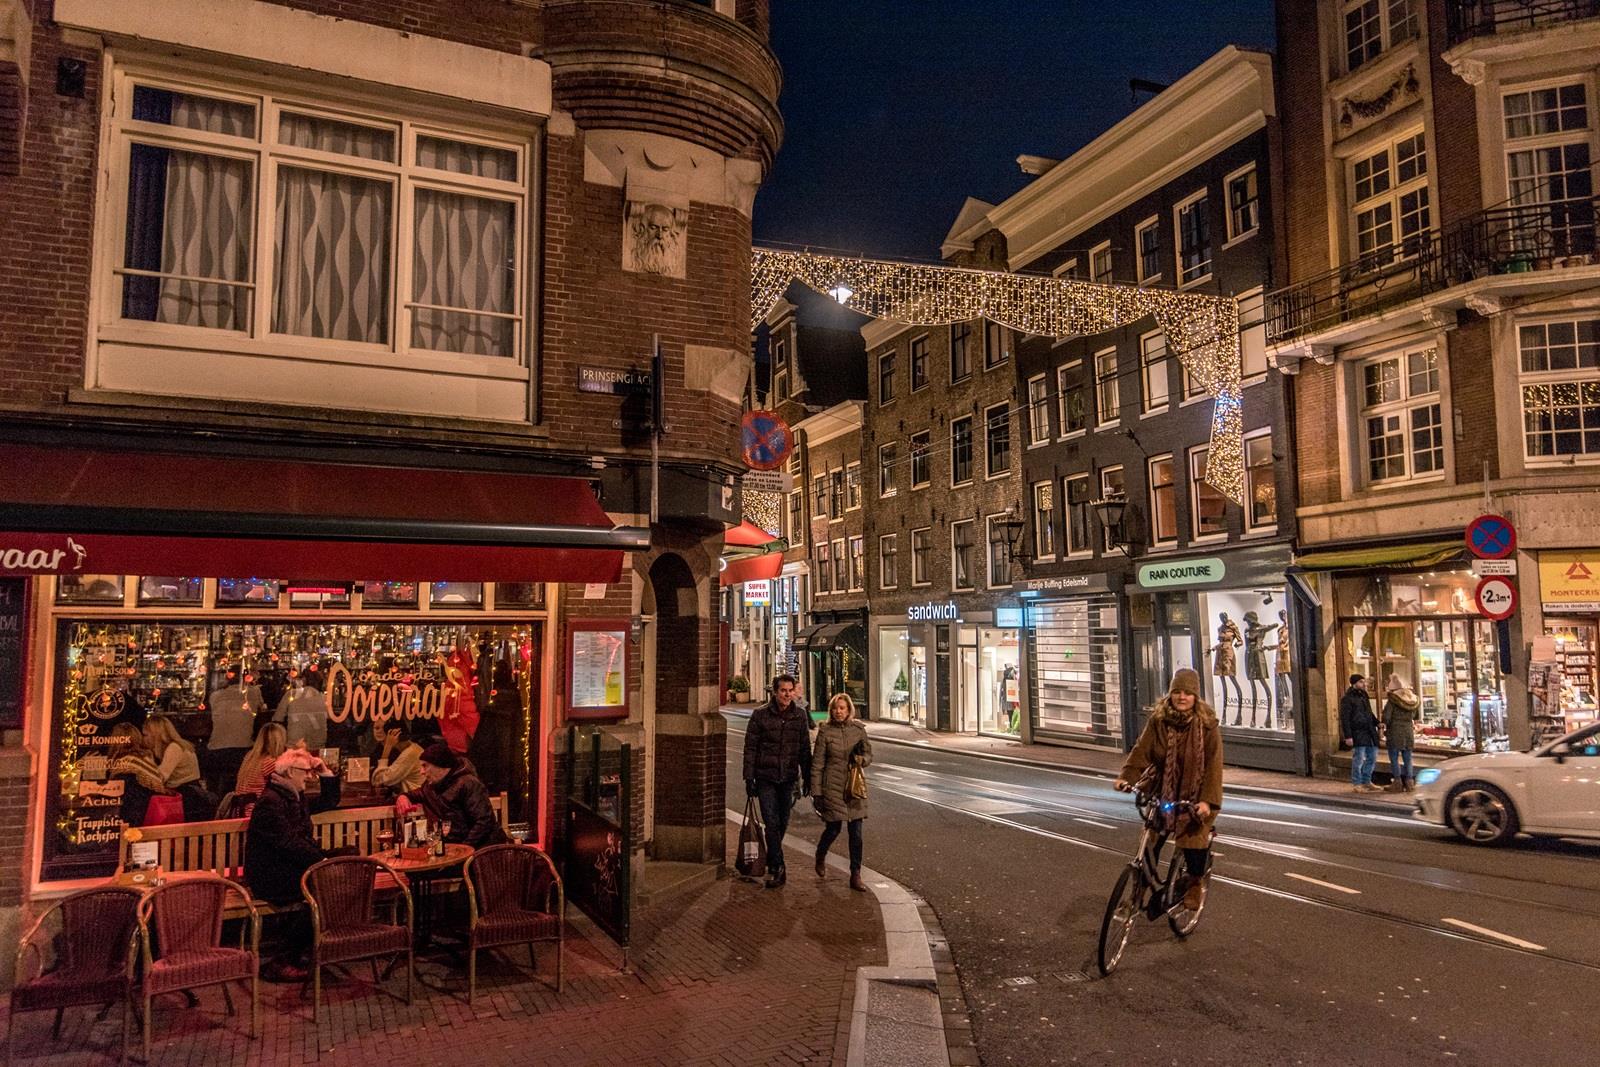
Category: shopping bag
[752,858]
[858,781]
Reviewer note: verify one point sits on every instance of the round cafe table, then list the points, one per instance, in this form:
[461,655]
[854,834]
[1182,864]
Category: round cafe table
[453,854]
[423,875]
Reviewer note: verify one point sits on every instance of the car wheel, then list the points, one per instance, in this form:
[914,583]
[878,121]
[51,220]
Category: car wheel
[1481,814]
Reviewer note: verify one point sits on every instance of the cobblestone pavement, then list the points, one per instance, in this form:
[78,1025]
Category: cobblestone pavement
[727,974]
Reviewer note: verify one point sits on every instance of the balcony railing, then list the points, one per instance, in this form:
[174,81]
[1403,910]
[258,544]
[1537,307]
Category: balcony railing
[1479,18]
[1502,240]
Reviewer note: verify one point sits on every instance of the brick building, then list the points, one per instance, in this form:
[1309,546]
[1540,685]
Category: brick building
[345,312]
[1438,263]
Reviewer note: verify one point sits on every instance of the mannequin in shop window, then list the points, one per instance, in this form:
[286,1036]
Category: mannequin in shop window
[1225,665]
[1282,668]
[1255,667]
[1009,705]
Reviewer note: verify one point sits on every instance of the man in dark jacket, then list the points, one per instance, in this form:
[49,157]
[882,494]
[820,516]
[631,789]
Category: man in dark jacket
[777,761]
[451,792]
[280,845]
[1359,728]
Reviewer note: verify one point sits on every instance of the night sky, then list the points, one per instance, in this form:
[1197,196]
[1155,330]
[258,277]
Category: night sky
[897,110]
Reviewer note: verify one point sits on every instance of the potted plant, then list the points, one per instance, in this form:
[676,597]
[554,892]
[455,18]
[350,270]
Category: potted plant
[739,686]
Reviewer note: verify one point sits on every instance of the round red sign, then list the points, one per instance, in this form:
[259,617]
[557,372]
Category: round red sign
[1496,597]
[766,440]
[1491,537]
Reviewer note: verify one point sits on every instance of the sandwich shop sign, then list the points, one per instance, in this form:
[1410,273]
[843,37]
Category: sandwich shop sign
[934,612]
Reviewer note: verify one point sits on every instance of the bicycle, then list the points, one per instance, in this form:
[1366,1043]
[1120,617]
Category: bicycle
[1141,889]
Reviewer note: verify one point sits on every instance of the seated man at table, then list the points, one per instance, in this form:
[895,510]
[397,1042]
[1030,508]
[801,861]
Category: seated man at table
[451,792]
[280,844]
[399,760]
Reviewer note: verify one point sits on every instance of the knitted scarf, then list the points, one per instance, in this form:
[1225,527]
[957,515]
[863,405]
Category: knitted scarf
[1184,768]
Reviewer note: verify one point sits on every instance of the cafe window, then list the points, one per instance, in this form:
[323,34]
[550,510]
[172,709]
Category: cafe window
[89,589]
[154,590]
[920,545]
[961,547]
[921,459]
[519,595]
[210,175]
[246,592]
[456,595]
[1260,483]
[1206,505]
[390,594]
[1163,502]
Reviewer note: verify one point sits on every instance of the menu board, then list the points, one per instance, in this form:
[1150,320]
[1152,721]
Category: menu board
[597,666]
[13,599]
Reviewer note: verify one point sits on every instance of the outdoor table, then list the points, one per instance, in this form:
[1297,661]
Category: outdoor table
[423,874]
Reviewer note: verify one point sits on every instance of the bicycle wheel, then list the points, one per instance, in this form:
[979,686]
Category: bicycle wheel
[1121,910]
[1181,919]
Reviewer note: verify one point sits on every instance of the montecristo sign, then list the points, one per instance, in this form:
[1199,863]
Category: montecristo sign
[1570,581]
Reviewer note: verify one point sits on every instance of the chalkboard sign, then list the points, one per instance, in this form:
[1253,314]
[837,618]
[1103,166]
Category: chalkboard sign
[13,599]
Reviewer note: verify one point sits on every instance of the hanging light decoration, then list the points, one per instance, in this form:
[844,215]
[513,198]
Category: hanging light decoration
[1202,330]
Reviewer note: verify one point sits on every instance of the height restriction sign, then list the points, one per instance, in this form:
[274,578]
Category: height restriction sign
[1491,537]
[1496,598]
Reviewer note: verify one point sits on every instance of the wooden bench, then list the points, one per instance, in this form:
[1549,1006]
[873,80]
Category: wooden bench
[217,846]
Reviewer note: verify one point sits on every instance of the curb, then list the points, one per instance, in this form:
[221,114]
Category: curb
[1264,792]
[911,1020]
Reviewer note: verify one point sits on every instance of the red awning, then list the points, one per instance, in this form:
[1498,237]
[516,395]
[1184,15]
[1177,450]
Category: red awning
[752,568]
[76,510]
[747,535]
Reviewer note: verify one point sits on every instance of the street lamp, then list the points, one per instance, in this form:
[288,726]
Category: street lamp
[1012,527]
[1111,510]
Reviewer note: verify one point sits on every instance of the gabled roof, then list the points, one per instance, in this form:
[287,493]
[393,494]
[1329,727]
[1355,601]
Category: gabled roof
[972,220]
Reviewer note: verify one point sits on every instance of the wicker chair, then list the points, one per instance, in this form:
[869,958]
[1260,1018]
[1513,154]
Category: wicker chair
[94,960]
[186,950]
[341,891]
[515,897]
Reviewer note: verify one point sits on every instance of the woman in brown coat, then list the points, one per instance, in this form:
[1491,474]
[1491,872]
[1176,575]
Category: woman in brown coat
[841,743]
[1179,757]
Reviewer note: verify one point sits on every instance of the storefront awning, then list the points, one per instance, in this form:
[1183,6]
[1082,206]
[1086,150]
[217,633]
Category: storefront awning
[752,569]
[1385,557]
[827,636]
[65,511]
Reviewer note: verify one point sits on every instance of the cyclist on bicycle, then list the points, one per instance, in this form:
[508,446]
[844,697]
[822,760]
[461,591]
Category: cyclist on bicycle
[1179,758]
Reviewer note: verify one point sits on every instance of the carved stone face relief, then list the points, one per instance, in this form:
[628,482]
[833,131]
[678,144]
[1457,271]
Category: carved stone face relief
[654,238]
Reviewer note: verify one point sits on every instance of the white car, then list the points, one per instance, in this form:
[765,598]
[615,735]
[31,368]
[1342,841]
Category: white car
[1490,798]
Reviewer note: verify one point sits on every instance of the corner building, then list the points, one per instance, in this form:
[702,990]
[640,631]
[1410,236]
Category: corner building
[325,345]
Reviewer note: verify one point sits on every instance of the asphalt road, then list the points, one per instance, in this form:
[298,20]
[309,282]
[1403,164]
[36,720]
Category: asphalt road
[1330,937]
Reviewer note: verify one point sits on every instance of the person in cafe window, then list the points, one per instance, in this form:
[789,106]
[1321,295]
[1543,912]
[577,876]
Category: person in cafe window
[179,767]
[399,767]
[452,793]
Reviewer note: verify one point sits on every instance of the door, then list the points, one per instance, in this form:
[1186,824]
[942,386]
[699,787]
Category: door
[968,702]
[1565,785]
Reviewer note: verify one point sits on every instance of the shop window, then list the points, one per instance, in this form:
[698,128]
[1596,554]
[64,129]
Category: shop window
[921,459]
[852,487]
[456,595]
[1451,663]
[1163,502]
[1249,672]
[858,564]
[1571,696]
[902,676]
[89,589]
[246,592]
[999,551]
[1244,203]
[1389,200]
[1038,410]
[885,377]
[990,662]
[822,580]
[1078,497]
[996,344]
[836,494]
[519,595]
[1147,239]
[919,362]
[961,450]
[887,462]
[1044,521]
[1401,417]
[1076,667]
[1260,483]
[1194,239]
[1154,373]
[1373,26]
[1207,507]
[960,351]
[1073,399]
[154,590]
[888,560]
[997,441]
[961,553]
[1108,405]
[1561,388]
[920,545]
[327,192]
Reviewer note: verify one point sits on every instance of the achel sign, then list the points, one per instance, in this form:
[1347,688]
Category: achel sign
[934,612]
[1182,572]
[629,381]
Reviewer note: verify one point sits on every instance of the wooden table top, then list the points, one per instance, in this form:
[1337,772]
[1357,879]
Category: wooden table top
[453,854]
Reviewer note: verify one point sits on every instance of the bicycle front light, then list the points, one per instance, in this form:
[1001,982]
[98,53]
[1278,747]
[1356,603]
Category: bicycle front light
[1427,776]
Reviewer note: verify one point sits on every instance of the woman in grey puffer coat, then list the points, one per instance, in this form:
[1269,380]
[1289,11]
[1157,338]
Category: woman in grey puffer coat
[841,741]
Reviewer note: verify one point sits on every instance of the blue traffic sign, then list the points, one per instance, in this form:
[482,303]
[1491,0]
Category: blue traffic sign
[1491,537]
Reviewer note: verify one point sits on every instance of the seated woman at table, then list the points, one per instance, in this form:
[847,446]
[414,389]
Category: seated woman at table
[399,760]
[280,845]
[141,777]
[180,768]
[269,745]
[451,792]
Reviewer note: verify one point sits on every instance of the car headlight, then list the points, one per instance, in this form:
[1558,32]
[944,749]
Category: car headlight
[1427,776]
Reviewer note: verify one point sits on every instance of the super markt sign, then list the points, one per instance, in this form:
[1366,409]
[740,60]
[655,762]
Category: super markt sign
[1207,571]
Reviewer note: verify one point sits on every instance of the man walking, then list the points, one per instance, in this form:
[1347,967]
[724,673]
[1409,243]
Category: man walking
[777,762]
[1359,728]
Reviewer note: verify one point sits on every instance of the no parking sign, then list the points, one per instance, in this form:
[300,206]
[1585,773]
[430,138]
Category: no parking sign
[1491,537]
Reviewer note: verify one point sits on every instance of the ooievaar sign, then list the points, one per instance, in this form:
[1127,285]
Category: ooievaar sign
[1570,581]
[1182,572]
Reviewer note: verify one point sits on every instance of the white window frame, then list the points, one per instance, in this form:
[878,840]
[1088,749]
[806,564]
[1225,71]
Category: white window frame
[996,330]
[886,385]
[1044,547]
[1151,224]
[1194,483]
[886,471]
[858,562]
[836,513]
[886,571]
[1403,408]
[1238,233]
[1156,540]
[919,343]
[852,497]
[955,558]
[1250,525]
[927,461]
[780,368]
[1540,191]
[1100,257]
[956,379]
[265,154]
[1063,390]
[823,513]
[1576,377]
[1067,268]
[822,559]
[972,459]
[923,561]
[841,567]
[1154,370]
[1400,245]
[988,412]
[1106,388]
[1038,411]
[1072,551]
[988,552]
[1204,270]
[1105,491]
[1385,37]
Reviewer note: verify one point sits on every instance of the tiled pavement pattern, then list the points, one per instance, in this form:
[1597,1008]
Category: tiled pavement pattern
[729,974]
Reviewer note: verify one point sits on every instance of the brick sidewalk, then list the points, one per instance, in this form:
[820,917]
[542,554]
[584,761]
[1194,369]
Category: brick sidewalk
[731,974]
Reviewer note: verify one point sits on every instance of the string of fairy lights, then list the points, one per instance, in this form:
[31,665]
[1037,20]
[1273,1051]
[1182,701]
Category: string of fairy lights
[1202,330]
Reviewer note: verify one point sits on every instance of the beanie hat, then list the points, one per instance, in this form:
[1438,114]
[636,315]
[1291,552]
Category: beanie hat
[439,755]
[1184,680]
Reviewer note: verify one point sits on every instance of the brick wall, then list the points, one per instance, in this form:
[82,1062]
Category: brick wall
[1302,160]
